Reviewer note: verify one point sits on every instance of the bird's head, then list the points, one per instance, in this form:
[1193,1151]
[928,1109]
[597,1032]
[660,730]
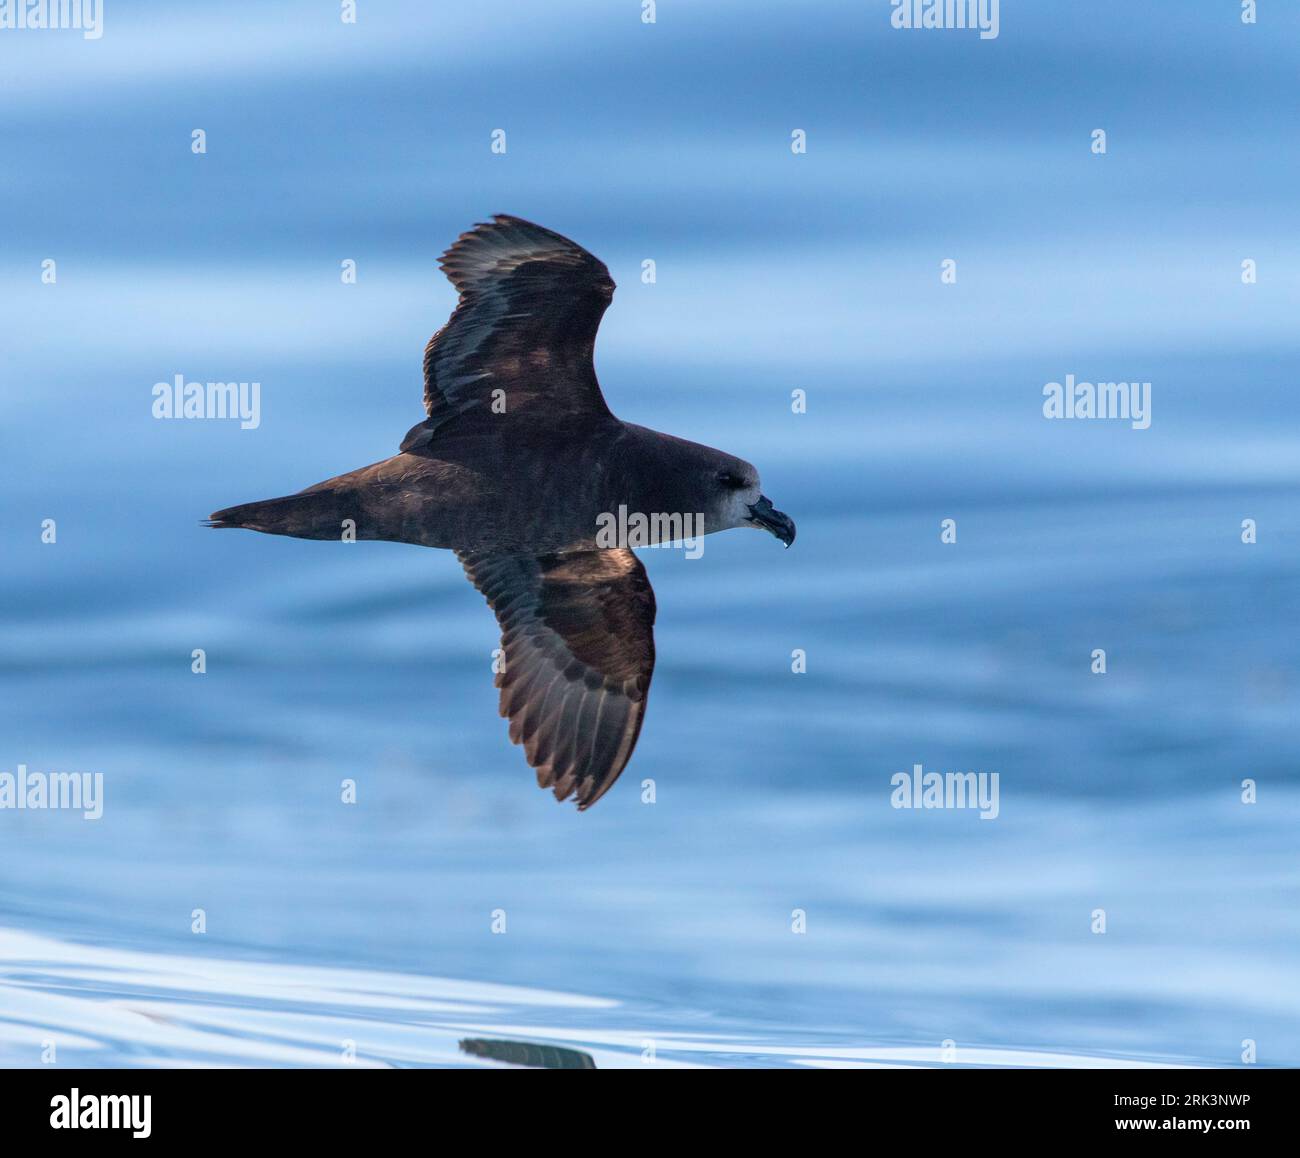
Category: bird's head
[699,480]
[737,500]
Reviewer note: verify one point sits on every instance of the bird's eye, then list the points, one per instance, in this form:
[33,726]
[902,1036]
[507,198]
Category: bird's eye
[731,481]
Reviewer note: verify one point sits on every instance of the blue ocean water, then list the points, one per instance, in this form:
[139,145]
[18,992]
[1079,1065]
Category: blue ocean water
[662,930]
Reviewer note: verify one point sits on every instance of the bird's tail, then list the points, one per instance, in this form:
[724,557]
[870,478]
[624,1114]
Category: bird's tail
[310,515]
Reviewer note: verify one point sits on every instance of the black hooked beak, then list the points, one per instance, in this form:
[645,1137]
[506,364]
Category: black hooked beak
[764,514]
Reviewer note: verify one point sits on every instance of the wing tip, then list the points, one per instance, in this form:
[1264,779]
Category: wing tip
[476,254]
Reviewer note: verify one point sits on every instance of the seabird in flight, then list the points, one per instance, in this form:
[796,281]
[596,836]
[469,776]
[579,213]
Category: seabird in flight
[516,468]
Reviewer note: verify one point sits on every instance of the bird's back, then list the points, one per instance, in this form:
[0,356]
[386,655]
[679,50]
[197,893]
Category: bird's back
[481,482]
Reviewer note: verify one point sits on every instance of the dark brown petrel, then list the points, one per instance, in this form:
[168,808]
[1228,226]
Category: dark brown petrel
[521,469]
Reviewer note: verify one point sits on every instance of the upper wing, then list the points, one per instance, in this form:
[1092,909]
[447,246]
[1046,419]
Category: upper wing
[576,629]
[530,304]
